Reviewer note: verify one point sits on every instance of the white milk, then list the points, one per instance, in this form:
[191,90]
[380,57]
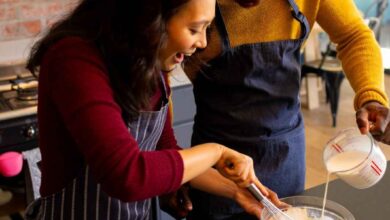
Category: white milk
[345,161]
[341,162]
[355,158]
[325,195]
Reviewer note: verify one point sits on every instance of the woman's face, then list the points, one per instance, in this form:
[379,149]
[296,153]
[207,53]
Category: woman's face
[186,32]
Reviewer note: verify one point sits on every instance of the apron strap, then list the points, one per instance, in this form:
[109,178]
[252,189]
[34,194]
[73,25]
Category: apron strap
[164,91]
[298,15]
[221,28]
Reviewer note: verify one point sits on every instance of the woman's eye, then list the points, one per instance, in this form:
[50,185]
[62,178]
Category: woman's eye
[194,31]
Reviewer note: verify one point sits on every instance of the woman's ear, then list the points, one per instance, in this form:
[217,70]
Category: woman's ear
[248,3]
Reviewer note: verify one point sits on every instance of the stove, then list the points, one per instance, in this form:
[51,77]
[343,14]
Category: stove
[18,120]
[18,107]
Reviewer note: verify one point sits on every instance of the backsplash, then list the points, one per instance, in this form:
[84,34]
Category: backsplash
[27,18]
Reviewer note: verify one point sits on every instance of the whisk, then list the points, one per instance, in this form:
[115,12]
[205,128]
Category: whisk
[274,211]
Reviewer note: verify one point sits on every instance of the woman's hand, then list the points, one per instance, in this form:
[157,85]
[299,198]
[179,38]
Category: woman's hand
[252,206]
[374,118]
[178,204]
[239,168]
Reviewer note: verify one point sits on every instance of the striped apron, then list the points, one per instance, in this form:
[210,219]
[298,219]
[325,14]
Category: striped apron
[84,199]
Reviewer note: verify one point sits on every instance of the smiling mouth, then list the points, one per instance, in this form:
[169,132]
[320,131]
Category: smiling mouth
[179,57]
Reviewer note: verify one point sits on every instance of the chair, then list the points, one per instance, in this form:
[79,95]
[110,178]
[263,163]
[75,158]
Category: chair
[329,68]
[375,22]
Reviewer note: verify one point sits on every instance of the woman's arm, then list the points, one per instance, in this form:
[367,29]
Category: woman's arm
[213,182]
[231,164]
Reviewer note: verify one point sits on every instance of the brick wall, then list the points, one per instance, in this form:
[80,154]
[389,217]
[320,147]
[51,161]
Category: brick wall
[27,18]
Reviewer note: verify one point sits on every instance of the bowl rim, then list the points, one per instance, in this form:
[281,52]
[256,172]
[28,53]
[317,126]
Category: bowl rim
[331,206]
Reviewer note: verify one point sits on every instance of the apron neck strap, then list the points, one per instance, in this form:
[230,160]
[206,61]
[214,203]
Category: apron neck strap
[164,89]
[220,24]
[298,15]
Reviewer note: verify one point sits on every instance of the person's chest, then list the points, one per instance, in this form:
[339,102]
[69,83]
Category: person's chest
[271,20]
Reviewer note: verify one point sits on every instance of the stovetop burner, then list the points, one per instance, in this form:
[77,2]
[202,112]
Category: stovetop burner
[18,92]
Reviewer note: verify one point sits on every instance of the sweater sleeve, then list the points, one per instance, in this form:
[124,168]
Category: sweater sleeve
[357,49]
[82,94]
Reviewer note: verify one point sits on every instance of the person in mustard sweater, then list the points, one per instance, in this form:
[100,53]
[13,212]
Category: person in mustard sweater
[247,82]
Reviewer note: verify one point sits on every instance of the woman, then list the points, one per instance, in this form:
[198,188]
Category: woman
[103,105]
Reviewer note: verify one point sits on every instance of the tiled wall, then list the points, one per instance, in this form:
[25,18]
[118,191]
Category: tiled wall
[26,18]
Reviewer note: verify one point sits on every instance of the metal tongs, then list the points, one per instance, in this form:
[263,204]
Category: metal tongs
[274,211]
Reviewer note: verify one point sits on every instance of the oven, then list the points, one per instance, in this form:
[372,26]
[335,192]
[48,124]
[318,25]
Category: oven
[18,128]
[18,106]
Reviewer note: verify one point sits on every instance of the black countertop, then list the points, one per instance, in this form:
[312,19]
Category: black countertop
[365,204]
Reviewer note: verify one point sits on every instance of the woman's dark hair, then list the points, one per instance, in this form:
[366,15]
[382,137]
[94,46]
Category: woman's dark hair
[128,34]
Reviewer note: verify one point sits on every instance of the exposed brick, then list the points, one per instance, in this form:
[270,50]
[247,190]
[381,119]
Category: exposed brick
[9,30]
[54,11]
[53,8]
[30,10]
[7,12]
[9,1]
[30,28]
[26,18]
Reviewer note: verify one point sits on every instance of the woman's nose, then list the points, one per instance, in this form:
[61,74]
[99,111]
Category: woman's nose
[202,42]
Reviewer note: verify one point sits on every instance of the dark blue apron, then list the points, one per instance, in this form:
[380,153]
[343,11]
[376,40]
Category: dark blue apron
[248,99]
[84,199]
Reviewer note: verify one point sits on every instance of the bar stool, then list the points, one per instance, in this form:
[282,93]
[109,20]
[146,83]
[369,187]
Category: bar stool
[330,70]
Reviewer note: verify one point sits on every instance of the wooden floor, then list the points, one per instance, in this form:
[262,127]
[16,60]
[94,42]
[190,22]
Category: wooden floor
[319,131]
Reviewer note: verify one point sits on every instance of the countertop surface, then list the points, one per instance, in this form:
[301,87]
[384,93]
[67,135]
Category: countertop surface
[365,204]
[15,52]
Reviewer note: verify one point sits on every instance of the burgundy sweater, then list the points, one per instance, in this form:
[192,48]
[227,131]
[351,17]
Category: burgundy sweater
[80,123]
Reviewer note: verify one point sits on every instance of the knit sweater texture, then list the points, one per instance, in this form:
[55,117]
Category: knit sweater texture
[271,20]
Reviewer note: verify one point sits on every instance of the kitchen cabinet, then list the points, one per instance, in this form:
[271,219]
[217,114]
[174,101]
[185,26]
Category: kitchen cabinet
[183,107]
[183,114]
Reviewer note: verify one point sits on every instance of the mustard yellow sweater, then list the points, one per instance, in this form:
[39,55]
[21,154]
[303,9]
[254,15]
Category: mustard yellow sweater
[271,20]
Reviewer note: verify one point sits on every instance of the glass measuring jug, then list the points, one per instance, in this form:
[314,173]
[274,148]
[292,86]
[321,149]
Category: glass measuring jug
[355,158]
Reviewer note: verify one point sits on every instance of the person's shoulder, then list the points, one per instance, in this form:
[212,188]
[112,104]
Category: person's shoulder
[72,45]
[69,41]
[74,52]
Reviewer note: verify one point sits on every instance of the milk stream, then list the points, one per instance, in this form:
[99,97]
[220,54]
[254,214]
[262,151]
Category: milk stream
[325,195]
[341,162]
